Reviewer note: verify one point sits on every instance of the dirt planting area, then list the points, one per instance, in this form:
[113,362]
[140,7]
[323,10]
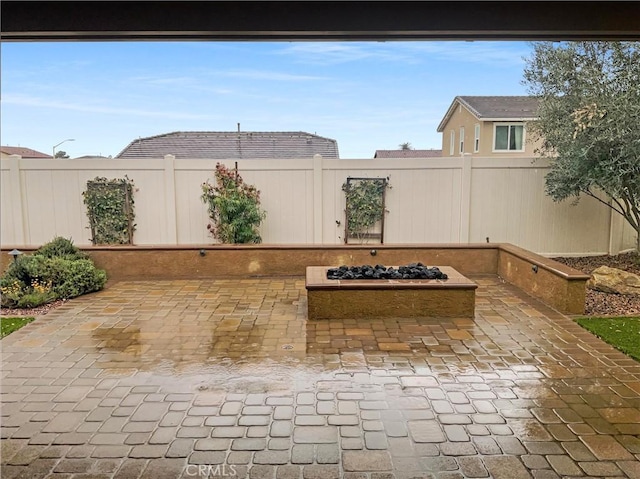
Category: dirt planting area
[598,303]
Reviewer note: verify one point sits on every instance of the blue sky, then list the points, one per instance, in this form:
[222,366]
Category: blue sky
[366,95]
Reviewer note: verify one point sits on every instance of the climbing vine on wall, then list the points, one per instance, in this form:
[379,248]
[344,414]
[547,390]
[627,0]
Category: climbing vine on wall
[234,207]
[365,207]
[110,210]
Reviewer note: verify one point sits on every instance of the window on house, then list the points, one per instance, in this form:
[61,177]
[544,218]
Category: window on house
[462,139]
[452,143]
[508,137]
[476,139]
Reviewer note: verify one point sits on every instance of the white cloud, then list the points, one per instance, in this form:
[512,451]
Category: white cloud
[493,53]
[162,80]
[269,75]
[24,100]
[331,53]
[183,83]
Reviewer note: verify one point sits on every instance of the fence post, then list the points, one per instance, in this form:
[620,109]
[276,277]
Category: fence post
[17,196]
[170,198]
[616,232]
[317,199]
[465,198]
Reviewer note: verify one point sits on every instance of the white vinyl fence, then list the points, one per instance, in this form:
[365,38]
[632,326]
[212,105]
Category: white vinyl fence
[432,200]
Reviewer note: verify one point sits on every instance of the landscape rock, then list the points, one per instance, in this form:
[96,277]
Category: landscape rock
[410,271]
[613,280]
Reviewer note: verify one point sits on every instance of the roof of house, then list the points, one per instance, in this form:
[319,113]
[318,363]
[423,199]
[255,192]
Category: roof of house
[224,145]
[495,108]
[23,152]
[408,154]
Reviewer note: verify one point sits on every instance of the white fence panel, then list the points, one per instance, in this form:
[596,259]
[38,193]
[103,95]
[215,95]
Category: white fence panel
[508,204]
[10,212]
[191,212]
[424,206]
[335,174]
[629,236]
[423,202]
[150,207]
[286,194]
[52,207]
[149,196]
[431,200]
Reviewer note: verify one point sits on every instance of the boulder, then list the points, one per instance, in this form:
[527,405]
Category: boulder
[613,280]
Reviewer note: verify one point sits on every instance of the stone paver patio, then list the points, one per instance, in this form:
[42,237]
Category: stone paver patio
[225,378]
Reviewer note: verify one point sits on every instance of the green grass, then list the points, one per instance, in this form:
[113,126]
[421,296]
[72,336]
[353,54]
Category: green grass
[621,333]
[9,325]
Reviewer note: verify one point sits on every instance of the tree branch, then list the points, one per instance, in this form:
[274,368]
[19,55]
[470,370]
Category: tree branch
[619,211]
[632,212]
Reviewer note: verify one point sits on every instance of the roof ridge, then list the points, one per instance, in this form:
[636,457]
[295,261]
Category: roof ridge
[463,100]
[410,149]
[21,150]
[497,96]
[231,132]
[256,143]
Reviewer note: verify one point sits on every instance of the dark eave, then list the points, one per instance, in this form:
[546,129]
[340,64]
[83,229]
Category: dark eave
[318,20]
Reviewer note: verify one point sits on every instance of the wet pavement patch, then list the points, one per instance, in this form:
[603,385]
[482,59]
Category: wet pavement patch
[156,379]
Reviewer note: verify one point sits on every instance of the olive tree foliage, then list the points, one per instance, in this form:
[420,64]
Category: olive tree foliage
[589,121]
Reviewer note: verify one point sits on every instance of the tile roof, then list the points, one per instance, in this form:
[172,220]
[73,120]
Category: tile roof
[495,108]
[408,154]
[501,106]
[226,145]
[23,152]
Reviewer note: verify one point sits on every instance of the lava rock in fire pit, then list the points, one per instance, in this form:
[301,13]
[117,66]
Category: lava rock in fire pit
[410,271]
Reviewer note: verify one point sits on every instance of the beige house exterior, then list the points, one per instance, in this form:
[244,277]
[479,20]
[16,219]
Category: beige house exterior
[489,126]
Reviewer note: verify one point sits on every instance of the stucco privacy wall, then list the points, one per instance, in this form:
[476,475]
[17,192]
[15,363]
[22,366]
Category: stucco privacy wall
[242,261]
[552,282]
[433,200]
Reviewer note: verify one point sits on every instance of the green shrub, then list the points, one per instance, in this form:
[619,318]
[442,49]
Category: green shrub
[75,278]
[30,294]
[110,208]
[58,270]
[35,299]
[27,268]
[364,204]
[234,208]
[61,247]
[12,290]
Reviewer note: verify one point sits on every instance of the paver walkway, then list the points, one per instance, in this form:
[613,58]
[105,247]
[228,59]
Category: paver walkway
[183,379]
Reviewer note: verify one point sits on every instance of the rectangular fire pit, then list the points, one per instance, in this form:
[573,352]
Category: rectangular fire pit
[386,298]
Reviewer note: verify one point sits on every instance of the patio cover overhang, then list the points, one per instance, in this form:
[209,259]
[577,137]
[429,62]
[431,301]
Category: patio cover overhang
[319,20]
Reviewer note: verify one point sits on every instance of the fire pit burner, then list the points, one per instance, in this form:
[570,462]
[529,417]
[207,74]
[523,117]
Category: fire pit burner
[410,271]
